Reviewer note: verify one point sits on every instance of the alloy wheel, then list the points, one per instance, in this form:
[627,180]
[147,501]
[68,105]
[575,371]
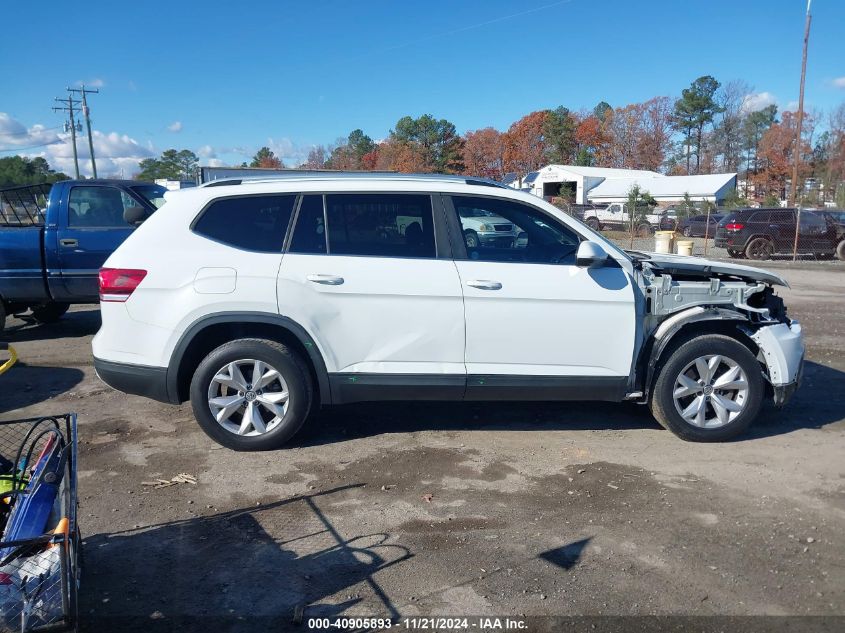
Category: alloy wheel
[711,391]
[248,397]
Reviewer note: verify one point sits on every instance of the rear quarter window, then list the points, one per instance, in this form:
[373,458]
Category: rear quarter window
[252,223]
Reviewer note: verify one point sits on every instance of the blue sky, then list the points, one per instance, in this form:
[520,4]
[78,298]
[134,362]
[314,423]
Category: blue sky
[225,78]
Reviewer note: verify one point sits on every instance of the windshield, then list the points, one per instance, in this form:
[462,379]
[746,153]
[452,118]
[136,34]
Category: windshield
[154,194]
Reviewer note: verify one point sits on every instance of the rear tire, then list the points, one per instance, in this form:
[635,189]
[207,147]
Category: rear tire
[687,231]
[760,248]
[49,312]
[681,366]
[280,418]
[593,223]
[645,230]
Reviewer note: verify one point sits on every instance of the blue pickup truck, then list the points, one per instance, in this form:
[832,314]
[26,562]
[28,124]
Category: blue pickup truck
[54,239]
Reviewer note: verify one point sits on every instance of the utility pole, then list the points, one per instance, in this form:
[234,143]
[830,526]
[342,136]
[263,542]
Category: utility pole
[798,133]
[85,110]
[68,106]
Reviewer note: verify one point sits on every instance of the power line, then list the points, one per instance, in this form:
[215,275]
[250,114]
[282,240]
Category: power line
[18,149]
[69,105]
[85,110]
[27,132]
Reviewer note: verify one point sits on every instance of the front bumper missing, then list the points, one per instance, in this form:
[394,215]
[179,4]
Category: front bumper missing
[782,350]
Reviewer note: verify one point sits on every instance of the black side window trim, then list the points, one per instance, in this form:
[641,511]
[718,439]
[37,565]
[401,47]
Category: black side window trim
[456,234]
[442,237]
[211,202]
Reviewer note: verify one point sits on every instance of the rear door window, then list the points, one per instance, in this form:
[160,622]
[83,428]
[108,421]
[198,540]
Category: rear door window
[380,225]
[782,217]
[252,223]
[309,234]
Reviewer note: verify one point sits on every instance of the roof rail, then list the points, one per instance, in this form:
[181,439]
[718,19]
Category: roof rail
[469,180]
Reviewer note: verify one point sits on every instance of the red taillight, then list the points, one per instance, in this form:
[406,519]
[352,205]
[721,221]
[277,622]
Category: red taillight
[116,284]
[734,226]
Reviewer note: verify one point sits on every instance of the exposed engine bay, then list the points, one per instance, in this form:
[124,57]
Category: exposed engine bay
[682,291]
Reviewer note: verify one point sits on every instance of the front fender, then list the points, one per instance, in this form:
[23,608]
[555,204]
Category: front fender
[669,328]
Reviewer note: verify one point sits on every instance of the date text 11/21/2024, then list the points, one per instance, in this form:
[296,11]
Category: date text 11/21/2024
[421,623]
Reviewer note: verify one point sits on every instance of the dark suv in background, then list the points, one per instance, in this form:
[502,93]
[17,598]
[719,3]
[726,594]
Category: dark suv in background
[762,233]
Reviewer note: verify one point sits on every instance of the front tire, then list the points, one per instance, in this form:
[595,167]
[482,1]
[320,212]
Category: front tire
[49,312]
[251,394]
[471,239]
[735,254]
[593,223]
[710,389]
[840,251]
[687,231]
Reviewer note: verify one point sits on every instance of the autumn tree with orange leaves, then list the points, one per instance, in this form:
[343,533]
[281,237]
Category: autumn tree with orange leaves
[776,156]
[525,148]
[484,153]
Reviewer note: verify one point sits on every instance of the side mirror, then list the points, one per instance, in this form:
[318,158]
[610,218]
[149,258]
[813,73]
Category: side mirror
[134,215]
[590,255]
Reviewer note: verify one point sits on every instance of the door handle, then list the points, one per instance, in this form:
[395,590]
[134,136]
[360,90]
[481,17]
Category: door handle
[326,280]
[69,242]
[485,284]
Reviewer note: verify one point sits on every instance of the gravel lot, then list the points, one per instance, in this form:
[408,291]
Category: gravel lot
[454,509]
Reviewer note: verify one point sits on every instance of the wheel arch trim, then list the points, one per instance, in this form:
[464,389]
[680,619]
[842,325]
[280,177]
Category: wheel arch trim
[670,328]
[282,322]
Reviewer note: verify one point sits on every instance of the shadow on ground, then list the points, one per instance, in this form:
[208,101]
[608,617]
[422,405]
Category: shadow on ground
[74,324]
[819,402]
[24,385]
[227,573]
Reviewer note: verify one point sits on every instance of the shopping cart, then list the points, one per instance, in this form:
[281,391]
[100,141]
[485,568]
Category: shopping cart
[39,570]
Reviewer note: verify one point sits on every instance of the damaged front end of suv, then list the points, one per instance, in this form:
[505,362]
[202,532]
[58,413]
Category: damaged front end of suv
[684,296]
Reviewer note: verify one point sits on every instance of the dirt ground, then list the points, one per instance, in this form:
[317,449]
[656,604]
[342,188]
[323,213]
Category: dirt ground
[407,509]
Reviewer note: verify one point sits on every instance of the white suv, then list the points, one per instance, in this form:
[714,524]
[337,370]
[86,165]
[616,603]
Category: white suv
[261,301]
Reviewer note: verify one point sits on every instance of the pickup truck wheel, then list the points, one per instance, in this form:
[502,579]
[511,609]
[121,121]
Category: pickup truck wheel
[251,394]
[710,389]
[687,231]
[49,312]
[759,248]
[593,223]
[471,239]
[840,251]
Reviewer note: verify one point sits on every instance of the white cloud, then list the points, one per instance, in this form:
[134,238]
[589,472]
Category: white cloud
[206,151]
[839,82]
[757,101]
[115,153]
[288,152]
[215,162]
[96,82]
[175,127]
[13,133]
